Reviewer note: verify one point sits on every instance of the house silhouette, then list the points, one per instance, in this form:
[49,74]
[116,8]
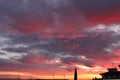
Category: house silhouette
[112,74]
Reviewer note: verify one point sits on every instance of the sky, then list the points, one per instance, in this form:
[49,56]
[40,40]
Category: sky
[49,38]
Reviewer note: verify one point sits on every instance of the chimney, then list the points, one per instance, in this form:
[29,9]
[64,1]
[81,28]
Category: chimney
[119,66]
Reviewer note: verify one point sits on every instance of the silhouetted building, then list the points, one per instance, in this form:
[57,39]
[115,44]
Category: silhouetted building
[75,74]
[30,79]
[52,79]
[96,79]
[112,74]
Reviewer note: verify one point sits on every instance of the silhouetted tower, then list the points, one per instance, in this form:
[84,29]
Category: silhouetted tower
[75,74]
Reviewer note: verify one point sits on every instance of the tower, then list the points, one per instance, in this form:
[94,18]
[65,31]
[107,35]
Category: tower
[75,74]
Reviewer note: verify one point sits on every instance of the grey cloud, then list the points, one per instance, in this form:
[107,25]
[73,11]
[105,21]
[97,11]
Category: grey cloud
[75,60]
[8,62]
[97,6]
[16,14]
[93,44]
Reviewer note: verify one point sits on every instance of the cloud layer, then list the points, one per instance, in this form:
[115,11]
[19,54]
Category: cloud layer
[41,35]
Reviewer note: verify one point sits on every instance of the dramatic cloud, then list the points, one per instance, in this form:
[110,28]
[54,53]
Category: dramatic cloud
[57,35]
[56,15]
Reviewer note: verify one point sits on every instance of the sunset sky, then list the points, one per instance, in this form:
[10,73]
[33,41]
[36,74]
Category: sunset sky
[48,38]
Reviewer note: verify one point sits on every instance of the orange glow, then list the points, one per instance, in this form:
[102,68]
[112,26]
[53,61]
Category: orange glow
[28,75]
